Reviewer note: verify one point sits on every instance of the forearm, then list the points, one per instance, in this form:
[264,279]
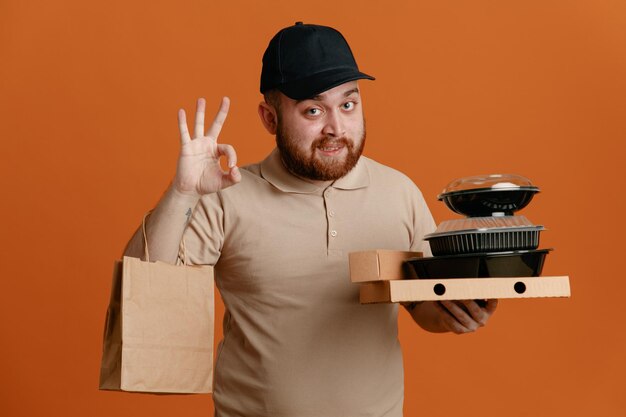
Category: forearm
[198,173]
[164,227]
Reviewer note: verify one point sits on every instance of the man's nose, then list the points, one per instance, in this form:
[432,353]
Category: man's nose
[334,124]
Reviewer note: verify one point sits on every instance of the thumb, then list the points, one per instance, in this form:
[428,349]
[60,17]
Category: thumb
[232,177]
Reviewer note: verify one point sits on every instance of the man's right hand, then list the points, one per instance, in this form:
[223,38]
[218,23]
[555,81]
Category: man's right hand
[199,171]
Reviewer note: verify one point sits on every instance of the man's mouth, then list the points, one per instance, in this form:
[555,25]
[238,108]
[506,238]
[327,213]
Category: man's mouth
[330,149]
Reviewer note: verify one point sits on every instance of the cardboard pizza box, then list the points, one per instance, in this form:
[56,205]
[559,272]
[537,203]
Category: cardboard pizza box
[384,279]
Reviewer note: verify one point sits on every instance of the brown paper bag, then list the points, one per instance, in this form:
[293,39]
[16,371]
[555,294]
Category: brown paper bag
[158,335]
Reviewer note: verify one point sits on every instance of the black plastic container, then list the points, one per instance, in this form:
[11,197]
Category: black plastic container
[485,241]
[486,202]
[484,195]
[524,263]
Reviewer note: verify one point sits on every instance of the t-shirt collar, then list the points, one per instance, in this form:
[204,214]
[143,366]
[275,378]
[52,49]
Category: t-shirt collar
[274,171]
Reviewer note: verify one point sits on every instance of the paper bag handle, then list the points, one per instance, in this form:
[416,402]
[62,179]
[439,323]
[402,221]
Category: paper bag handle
[145,236]
[145,240]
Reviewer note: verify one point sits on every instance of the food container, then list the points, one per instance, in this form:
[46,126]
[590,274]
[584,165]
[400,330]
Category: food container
[484,234]
[523,263]
[487,195]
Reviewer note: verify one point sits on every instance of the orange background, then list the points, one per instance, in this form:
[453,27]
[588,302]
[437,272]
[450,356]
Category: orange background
[88,101]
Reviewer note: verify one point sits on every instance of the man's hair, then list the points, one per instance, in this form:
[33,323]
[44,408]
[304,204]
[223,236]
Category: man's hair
[272,97]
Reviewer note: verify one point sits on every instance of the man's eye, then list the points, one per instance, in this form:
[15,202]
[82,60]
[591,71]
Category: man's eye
[313,112]
[349,105]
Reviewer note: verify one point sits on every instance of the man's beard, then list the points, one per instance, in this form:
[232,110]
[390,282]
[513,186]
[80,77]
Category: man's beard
[308,165]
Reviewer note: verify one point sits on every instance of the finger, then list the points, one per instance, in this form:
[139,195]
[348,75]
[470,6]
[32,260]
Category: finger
[220,117]
[198,129]
[460,315]
[491,306]
[449,321]
[232,177]
[229,152]
[477,313]
[182,126]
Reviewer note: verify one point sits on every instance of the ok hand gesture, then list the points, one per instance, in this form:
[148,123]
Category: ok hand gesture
[199,171]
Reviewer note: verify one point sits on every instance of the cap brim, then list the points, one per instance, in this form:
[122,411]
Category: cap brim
[318,83]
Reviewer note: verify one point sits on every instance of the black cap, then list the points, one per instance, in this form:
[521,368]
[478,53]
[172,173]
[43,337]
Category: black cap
[305,60]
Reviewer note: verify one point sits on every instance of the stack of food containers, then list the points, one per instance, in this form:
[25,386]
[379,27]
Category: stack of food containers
[490,241]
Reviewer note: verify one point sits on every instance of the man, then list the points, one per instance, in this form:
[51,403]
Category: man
[296,340]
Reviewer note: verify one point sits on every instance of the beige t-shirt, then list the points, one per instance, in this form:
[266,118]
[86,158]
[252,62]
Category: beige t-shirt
[297,342]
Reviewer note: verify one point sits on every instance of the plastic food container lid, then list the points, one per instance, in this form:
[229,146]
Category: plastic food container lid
[483,224]
[492,182]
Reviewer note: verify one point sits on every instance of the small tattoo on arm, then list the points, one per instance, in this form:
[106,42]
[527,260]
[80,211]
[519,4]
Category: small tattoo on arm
[188,214]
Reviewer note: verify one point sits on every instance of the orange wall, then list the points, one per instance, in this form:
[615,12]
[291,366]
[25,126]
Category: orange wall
[88,98]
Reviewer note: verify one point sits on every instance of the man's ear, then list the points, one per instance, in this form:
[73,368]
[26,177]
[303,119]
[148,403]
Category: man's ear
[268,116]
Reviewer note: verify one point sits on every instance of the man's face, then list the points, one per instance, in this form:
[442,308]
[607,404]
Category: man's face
[322,138]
